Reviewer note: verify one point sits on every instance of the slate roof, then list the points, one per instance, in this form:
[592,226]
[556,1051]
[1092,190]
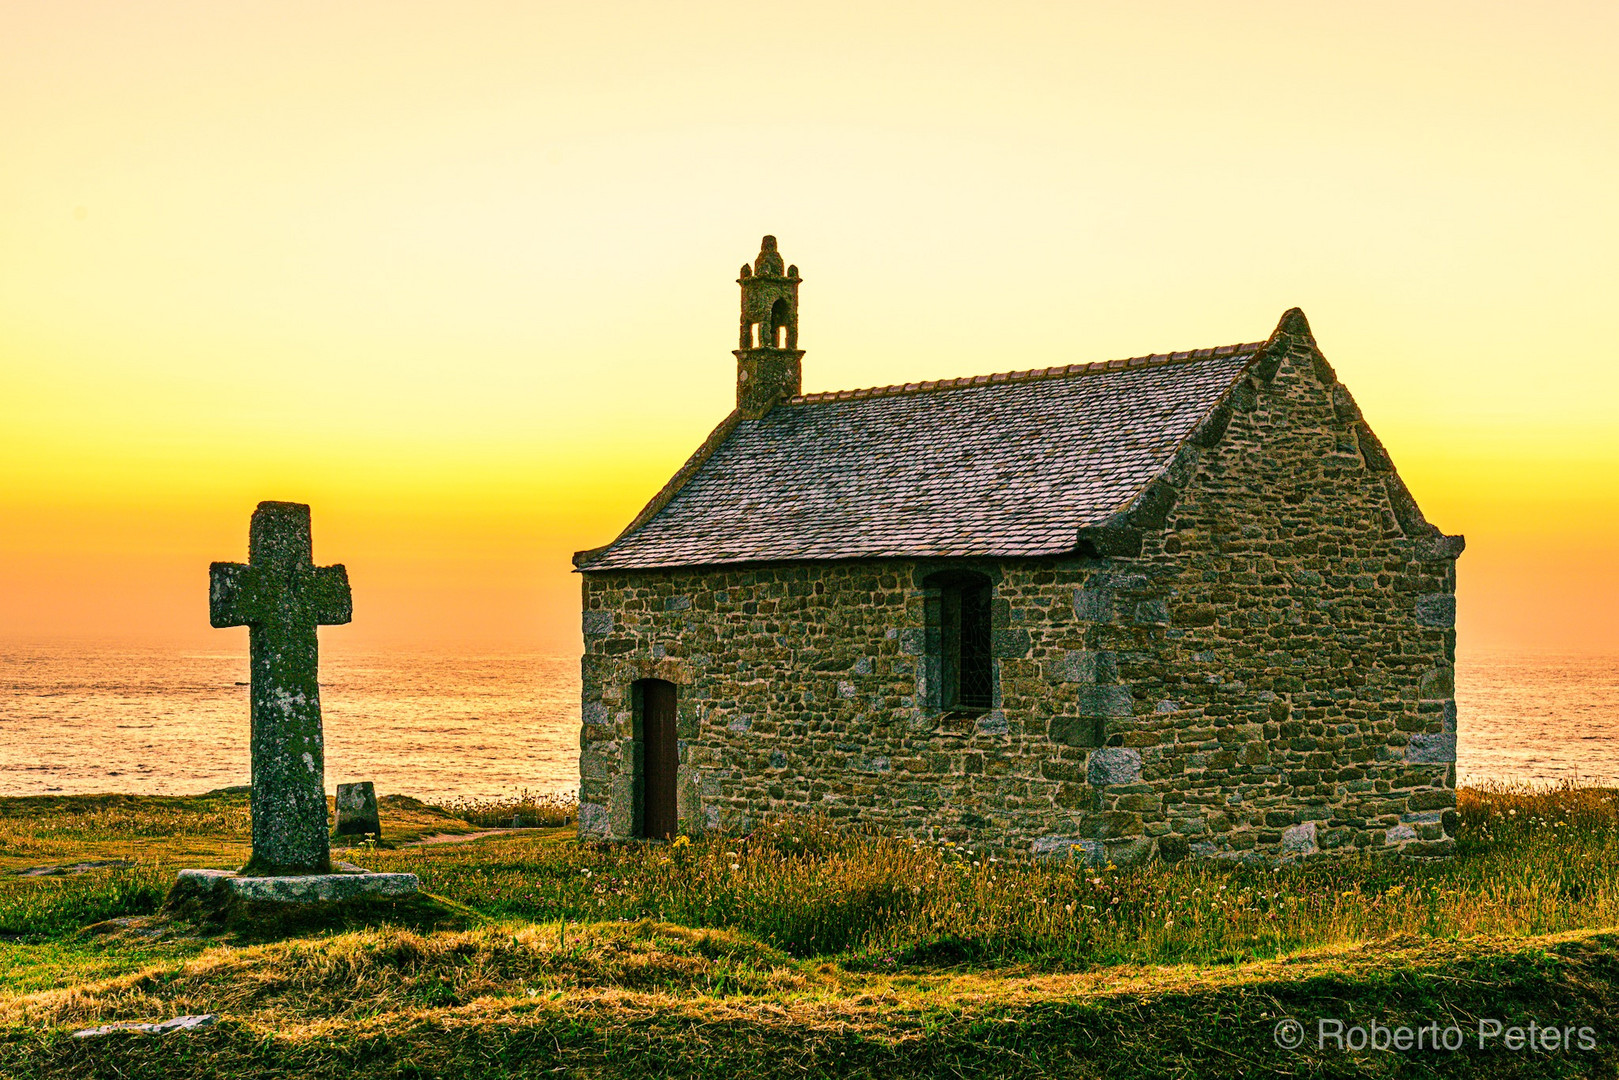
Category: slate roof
[996,465]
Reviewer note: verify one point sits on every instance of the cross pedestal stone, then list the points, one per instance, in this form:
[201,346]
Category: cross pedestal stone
[357,810]
[282,596]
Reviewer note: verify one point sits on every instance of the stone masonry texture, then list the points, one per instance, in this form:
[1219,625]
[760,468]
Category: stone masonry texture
[1266,675]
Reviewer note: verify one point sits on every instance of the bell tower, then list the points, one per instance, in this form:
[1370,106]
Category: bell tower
[767,354]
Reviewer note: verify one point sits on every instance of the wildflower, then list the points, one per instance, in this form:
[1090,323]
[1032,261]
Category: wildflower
[682,841]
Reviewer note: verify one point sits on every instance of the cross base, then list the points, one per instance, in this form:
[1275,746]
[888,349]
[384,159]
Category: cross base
[217,890]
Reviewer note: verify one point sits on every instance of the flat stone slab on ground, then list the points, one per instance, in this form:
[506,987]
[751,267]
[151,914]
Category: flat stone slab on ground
[301,888]
[75,868]
[179,1023]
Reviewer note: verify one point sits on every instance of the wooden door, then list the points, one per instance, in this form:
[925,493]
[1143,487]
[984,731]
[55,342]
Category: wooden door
[660,756]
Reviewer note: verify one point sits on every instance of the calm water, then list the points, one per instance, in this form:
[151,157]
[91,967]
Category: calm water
[438,724]
[162,721]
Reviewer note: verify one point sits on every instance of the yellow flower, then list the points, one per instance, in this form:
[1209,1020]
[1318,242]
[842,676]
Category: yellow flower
[682,841]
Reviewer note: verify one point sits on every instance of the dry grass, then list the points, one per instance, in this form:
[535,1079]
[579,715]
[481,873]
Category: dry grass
[47,826]
[388,970]
[525,810]
[1498,812]
[645,1000]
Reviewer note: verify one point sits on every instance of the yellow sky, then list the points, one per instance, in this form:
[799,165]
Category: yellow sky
[461,275]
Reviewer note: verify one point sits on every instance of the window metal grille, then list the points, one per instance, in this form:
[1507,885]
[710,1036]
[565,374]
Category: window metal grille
[959,637]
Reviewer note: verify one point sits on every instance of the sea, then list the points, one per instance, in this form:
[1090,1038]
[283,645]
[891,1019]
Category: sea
[78,719]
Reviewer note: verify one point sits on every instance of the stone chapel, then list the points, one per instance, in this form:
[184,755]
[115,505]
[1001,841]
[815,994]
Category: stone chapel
[1180,604]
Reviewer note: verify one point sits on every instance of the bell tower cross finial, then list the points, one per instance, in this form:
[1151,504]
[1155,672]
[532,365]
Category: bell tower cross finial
[767,355]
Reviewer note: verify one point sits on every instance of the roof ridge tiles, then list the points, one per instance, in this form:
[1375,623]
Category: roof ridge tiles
[1133,363]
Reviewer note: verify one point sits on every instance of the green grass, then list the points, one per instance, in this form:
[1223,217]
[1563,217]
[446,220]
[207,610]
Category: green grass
[812,950]
[50,907]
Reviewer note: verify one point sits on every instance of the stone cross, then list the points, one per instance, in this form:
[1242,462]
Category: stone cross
[282,596]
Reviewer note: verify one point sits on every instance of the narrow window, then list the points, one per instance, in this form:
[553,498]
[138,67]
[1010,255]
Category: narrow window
[962,675]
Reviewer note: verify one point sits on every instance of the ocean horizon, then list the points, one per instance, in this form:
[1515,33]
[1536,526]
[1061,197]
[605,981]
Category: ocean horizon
[79,718]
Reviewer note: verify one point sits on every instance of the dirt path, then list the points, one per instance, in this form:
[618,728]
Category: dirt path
[459,838]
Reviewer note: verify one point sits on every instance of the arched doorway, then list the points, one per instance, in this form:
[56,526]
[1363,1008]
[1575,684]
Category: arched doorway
[659,752]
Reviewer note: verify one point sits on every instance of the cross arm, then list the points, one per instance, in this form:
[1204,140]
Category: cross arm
[233,594]
[331,600]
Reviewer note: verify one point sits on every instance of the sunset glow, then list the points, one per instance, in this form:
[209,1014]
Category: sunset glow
[463,279]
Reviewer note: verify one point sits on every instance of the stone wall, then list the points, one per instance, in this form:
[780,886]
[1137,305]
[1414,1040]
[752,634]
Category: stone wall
[1270,676]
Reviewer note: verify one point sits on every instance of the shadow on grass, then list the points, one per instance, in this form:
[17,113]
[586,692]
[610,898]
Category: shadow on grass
[258,922]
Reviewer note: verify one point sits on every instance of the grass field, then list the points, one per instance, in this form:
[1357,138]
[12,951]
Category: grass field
[809,950]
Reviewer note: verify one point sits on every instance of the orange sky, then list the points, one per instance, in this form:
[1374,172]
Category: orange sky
[462,277]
